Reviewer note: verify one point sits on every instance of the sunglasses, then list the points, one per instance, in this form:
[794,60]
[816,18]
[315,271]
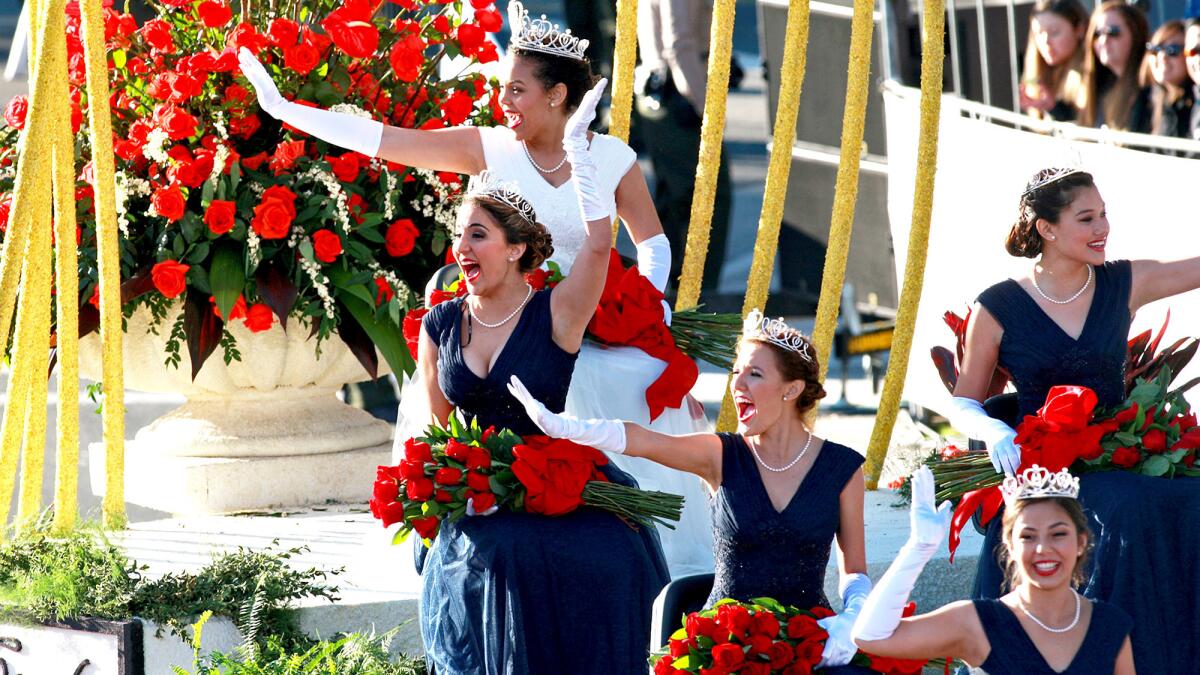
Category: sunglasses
[1109,31]
[1165,50]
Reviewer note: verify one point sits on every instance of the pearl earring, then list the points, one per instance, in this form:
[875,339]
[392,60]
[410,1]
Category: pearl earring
[1051,237]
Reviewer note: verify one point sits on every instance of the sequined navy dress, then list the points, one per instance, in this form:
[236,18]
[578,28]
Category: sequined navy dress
[1146,554]
[1013,652]
[521,593]
[761,552]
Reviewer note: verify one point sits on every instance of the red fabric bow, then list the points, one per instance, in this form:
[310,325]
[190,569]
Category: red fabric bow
[631,313]
[555,472]
[989,498]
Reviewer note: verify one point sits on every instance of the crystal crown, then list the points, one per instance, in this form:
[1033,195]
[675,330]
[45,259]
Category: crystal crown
[539,35]
[775,331]
[488,184]
[1037,482]
[1054,176]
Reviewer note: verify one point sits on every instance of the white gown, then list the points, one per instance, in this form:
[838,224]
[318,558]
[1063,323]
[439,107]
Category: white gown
[609,382]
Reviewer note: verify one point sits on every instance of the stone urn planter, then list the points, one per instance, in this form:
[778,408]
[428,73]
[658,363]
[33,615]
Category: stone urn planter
[263,431]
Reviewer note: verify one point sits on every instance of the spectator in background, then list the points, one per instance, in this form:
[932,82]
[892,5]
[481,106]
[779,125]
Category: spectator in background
[1053,74]
[1165,73]
[670,85]
[1191,47]
[1114,49]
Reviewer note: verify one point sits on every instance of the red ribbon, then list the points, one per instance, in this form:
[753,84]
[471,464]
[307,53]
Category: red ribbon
[989,498]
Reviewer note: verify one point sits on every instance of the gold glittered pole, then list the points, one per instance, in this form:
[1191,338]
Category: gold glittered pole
[66,258]
[791,77]
[712,133]
[846,193]
[918,242]
[624,59]
[100,123]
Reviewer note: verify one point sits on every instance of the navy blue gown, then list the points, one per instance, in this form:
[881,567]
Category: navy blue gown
[761,552]
[1013,652]
[516,593]
[1146,554]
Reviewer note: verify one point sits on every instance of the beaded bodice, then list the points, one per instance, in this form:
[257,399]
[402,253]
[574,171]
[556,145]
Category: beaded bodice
[761,552]
[1039,355]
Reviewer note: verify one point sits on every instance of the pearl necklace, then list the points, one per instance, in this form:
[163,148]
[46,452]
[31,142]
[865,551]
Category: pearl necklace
[790,464]
[1078,293]
[1074,622]
[539,167]
[506,319]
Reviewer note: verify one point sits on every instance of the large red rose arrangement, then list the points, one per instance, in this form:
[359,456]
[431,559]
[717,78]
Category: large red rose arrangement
[1153,433]
[448,466]
[218,203]
[761,637]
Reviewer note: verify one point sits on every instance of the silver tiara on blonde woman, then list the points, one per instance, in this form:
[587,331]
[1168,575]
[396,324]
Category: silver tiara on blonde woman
[539,35]
[775,331]
[1054,176]
[1037,483]
[488,184]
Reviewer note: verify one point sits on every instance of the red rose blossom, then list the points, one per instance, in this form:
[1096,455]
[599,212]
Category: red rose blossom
[727,655]
[214,14]
[482,501]
[274,215]
[15,112]
[219,216]
[301,58]
[457,451]
[411,328]
[383,291]
[401,237]
[326,245]
[168,202]
[259,318]
[426,527]
[157,34]
[344,166]
[238,311]
[417,451]
[420,489]
[284,32]
[169,277]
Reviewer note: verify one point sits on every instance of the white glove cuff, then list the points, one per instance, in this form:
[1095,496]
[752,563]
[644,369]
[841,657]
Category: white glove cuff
[603,435]
[347,131]
[968,416]
[854,589]
[654,260]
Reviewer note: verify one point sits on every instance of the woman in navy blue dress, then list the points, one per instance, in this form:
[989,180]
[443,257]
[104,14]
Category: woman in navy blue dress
[1067,323]
[780,494]
[517,593]
[1042,626]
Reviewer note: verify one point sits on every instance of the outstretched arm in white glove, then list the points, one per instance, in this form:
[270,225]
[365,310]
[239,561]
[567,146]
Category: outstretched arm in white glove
[968,416]
[694,453]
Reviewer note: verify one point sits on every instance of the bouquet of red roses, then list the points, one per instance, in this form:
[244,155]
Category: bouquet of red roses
[762,637]
[1154,433]
[444,469]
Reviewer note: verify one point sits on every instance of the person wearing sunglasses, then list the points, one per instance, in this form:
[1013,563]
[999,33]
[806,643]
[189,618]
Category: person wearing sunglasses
[1165,73]
[1115,45]
[1191,54]
[1054,60]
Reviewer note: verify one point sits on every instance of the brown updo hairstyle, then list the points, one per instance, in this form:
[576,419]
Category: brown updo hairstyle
[517,230]
[550,70]
[797,366]
[1074,514]
[1046,202]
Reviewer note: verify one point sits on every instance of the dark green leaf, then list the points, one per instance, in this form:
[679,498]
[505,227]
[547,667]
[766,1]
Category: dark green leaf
[203,329]
[227,277]
[386,335]
[1156,466]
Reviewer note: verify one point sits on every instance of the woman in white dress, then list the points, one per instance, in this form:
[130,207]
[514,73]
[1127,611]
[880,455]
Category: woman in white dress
[544,77]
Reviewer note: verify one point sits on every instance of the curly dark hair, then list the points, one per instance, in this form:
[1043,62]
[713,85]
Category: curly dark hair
[517,230]
[797,366]
[550,70]
[1046,202]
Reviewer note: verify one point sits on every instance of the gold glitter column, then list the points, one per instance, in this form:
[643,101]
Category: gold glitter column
[791,77]
[100,122]
[846,194]
[712,133]
[918,241]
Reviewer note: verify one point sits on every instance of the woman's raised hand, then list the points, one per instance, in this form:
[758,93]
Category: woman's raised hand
[575,135]
[604,435]
[269,98]
[927,523]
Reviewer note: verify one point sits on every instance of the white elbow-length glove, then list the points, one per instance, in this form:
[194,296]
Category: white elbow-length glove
[968,416]
[347,131]
[593,203]
[603,435]
[840,647]
[882,611]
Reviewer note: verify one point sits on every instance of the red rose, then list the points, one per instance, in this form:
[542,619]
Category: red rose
[301,58]
[16,110]
[727,655]
[284,32]
[457,451]
[756,668]
[383,291]
[407,57]
[351,29]
[482,501]
[442,497]
[426,527]
[457,108]
[214,14]
[554,473]
[274,215]
[470,38]
[764,623]
[175,121]
[417,451]
[259,318]
[537,279]
[244,127]
[345,166]
[169,277]
[664,667]
[383,502]
[448,476]
[735,619]
[412,329]
[489,20]
[1126,416]
[245,35]
[488,433]
[253,162]
[168,202]
[487,52]
[478,458]
[678,648]
[157,34]
[412,469]
[478,482]
[355,206]
[1155,441]
[803,627]
[401,237]
[285,156]
[219,216]
[808,653]
[759,644]
[326,245]
[420,489]
[781,655]
[702,626]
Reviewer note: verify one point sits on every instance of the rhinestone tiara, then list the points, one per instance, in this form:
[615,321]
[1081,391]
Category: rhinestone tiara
[1054,176]
[539,35]
[775,331]
[1037,483]
[488,184]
